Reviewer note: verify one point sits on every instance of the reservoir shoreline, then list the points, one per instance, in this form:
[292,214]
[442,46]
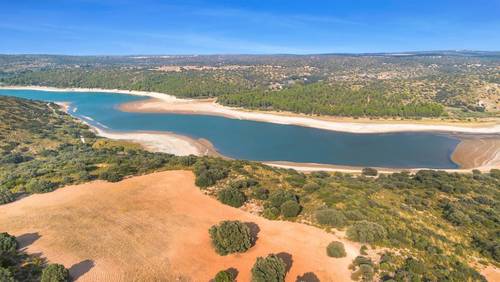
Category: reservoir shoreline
[165,103]
[472,152]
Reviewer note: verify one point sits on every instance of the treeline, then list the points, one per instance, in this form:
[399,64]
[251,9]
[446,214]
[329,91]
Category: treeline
[371,100]
[322,98]
[190,84]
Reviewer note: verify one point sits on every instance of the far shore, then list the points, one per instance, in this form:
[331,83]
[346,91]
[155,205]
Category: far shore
[482,153]
[170,104]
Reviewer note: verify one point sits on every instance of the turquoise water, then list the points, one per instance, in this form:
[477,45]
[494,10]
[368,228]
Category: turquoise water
[261,141]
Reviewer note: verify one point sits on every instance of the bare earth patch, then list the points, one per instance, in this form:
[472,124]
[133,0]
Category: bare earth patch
[155,228]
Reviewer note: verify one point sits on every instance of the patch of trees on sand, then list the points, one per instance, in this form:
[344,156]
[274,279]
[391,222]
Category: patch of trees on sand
[16,265]
[434,224]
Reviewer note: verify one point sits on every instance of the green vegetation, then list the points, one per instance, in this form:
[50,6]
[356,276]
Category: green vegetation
[331,217]
[323,98]
[8,243]
[335,250]
[224,276]
[231,197]
[290,208]
[269,269]
[366,232]
[363,269]
[55,273]
[368,171]
[230,237]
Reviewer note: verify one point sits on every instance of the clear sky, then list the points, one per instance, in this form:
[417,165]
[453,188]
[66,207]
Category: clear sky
[87,27]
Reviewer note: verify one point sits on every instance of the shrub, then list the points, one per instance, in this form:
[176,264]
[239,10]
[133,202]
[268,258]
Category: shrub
[261,193]
[224,276]
[369,171]
[230,237]
[336,250]
[366,232]
[311,187]
[231,197]
[363,250]
[6,197]
[290,209]
[495,173]
[39,186]
[244,183]
[278,197]
[209,172]
[271,213]
[6,275]
[269,269]
[365,270]
[330,217]
[8,243]
[55,273]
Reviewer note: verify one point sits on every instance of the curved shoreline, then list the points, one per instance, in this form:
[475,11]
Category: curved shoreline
[183,145]
[170,104]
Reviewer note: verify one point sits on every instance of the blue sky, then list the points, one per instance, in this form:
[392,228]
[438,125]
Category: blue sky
[97,27]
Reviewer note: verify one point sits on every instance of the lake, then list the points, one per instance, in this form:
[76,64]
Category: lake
[260,141]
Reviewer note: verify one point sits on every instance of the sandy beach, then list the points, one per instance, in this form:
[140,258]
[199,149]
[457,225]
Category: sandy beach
[164,142]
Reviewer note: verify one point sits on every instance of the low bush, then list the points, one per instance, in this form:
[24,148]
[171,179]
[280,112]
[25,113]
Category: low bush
[269,269]
[224,276]
[8,243]
[55,273]
[330,217]
[366,232]
[6,197]
[6,275]
[368,171]
[336,250]
[278,197]
[290,209]
[231,197]
[230,237]
[271,213]
[311,187]
[261,193]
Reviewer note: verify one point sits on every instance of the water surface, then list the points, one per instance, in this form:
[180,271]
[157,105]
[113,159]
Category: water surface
[262,141]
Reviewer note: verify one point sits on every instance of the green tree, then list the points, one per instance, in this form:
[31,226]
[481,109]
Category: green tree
[330,217]
[230,237]
[366,232]
[6,275]
[369,171]
[8,243]
[278,197]
[6,196]
[290,208]
[269,269]
[224,276]
[55,273]
[231,197]
[336,250]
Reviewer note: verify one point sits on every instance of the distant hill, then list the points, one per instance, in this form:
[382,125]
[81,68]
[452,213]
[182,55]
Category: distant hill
[434,84]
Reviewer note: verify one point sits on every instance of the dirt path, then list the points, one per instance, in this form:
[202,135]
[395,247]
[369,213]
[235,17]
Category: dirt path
[155,228]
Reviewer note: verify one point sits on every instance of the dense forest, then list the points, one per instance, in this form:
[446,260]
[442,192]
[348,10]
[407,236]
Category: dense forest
[427,226]
[423,85]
